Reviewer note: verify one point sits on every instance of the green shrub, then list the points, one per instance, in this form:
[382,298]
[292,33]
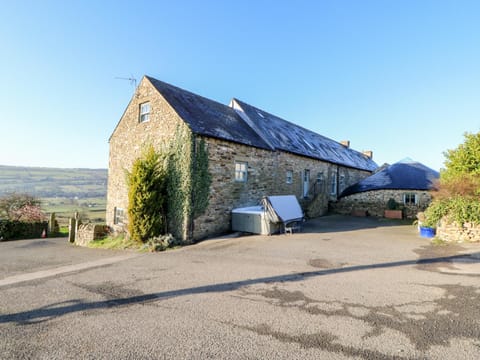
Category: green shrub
[459,209]
[146,195]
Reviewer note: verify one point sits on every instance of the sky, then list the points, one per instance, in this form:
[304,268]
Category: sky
[400,78]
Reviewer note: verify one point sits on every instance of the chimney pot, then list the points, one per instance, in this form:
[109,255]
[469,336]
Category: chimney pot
[368,153]
[345,143]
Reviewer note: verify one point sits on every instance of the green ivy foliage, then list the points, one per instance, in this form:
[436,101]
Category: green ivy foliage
[146,197]
[188,182]
[167,191]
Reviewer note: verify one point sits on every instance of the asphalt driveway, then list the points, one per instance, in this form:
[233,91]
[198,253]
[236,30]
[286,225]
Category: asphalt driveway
[343,288]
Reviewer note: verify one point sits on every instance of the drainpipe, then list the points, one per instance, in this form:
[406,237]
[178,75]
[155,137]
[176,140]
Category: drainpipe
[190,222]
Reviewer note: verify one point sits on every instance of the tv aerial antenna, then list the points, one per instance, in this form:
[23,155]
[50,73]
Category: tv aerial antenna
[132,80]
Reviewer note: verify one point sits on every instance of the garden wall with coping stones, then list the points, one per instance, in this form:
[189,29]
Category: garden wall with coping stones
[89,232]
[375,202]
[453,232]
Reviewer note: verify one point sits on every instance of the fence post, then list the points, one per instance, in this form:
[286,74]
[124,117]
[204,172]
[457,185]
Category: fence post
[72,229]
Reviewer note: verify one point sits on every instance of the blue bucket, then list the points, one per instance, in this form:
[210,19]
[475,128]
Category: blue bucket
[427,232]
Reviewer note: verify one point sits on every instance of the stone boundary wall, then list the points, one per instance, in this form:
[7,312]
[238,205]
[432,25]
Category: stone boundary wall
[452,232]
[375,202]
[88,232]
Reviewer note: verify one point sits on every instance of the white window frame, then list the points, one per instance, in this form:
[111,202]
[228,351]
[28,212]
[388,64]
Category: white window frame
[118,216]
[415,199]
[241,171]
[341,182]
[289,177]
[333,184]
[144,114]
[319,177]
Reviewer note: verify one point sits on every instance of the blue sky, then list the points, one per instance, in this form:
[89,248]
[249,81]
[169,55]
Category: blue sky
[401,78]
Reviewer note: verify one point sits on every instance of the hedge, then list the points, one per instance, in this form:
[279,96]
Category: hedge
[13,230]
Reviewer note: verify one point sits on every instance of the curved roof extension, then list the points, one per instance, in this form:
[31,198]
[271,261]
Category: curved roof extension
[406,174]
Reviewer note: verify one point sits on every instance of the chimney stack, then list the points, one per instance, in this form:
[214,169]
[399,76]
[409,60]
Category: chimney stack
[368,153]
[345,143]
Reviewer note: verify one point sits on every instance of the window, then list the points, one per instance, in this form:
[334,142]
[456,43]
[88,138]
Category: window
[144,112]
[410,199]
[342,182]
[319,177]
[118,216]
[333,185]
[289,177]
[241,171]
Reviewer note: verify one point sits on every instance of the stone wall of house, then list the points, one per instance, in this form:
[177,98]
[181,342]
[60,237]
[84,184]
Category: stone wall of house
[129,139]
[88,232]
[375,202]
[267,175]
[267,170]
[452,232]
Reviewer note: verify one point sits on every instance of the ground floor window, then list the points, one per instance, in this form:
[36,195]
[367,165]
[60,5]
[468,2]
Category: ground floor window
[410,199]
[119,216]
[289,179]
[333,185]
[241,171]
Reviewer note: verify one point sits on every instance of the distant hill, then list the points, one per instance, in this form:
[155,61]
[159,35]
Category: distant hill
[53,182]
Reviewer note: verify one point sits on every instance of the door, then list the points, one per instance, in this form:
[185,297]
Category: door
[306,182]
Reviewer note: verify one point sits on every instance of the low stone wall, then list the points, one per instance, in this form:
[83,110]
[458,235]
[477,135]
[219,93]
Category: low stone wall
[89,232]
[453,232]
[375,203]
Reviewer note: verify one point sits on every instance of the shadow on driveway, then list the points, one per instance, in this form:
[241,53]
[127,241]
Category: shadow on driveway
[59,309]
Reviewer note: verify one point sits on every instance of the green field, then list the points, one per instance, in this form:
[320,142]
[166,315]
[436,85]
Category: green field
[63,191]
[53,182]
[89,209]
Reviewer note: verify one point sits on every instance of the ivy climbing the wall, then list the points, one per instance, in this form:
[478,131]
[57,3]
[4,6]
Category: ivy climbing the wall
[168,190]
[188,182]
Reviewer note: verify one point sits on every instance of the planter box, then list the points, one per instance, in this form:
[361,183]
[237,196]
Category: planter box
[393,214]
[427,232]
[359,213]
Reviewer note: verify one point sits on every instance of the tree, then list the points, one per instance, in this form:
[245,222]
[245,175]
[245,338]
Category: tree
[458,192]
[146,195]
[461,175]
[21,207]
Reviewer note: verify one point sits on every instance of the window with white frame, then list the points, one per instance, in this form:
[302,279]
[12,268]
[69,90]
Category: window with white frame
[144,112]
[289,179]
[241,169]
[118,216]
[410,199]
[319,177]
[333,185]
[341,182]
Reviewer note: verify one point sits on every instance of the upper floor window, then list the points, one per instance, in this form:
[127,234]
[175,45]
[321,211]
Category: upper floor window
[289,179]
[241,171]
[410,199]
[144,112]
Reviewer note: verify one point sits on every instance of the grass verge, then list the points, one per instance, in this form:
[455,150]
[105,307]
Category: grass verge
[119,242]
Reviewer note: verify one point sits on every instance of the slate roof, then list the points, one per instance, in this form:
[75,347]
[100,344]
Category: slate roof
[403,175]
[259,129]
[286,136]
[208,117]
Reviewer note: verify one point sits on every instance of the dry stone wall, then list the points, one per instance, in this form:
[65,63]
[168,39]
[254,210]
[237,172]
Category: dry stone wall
[89,232]
[375,202]
[453,232]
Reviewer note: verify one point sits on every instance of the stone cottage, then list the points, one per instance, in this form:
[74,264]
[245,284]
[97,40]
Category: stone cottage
[251,154]
[407,182]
